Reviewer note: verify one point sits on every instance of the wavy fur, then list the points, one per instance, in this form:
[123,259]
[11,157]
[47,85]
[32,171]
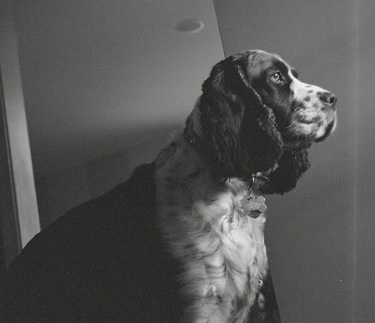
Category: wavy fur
[221,250]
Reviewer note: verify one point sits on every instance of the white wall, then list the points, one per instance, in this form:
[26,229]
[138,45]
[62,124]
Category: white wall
[364,179]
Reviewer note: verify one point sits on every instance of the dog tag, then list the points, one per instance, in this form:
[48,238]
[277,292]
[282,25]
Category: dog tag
[253,206]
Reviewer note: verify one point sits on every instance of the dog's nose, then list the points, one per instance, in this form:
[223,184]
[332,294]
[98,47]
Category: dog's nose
[328,98]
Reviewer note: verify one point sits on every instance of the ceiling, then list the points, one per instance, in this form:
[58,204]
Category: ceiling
[103,76]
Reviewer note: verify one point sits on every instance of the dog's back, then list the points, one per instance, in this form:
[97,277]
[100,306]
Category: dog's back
[104,261]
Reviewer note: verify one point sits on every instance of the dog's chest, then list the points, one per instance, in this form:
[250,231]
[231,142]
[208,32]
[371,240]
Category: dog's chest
[237,251]
[221,249]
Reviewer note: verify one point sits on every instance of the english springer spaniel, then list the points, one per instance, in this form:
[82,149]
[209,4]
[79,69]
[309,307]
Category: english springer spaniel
[182,240]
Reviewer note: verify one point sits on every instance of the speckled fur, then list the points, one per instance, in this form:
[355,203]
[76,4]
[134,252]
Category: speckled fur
[222,251]
[252,117]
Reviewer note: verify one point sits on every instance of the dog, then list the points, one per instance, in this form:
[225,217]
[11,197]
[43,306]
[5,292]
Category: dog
[182,240]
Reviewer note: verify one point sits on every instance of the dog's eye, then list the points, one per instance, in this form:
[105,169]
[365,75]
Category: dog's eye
[277,77]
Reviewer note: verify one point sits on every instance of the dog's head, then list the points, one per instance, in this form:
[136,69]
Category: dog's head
[255,114]
[304,113]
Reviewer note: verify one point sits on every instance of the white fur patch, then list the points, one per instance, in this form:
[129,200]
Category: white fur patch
[311,118]
[222,251]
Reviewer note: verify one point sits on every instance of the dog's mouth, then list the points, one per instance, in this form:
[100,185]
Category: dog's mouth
[309,120]
[304,129]
[328,130]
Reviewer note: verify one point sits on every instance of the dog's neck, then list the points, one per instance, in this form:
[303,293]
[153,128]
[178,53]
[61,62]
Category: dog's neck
[248,176]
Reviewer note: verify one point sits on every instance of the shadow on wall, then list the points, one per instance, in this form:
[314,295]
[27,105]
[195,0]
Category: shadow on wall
[59,192]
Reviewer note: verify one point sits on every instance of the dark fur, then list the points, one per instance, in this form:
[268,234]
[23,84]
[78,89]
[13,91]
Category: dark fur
[104,261]
[229,101]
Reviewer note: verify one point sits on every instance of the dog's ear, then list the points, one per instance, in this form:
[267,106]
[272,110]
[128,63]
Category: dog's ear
[292,165]
[218,119]
[231,125]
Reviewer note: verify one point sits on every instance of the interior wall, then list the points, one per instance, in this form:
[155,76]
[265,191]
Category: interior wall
[364,180]
[320,237]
